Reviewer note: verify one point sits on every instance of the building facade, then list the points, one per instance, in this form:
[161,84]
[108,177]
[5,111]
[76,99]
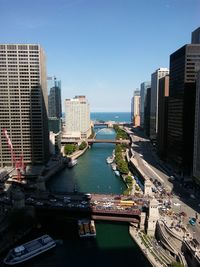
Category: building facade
[184,64]
[155,77]
[196,36]
[54,97]
[147,109]
[23,103]
[196,157]
[143,92]
[77,118]
[136,108]
[162,116]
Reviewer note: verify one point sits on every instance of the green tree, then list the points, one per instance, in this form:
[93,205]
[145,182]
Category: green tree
[69,149]
[83,145]
[129,180]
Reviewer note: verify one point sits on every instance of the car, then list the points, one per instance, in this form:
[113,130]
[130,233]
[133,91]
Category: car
[192,221]
[52,200]
[183,214]
[177,204]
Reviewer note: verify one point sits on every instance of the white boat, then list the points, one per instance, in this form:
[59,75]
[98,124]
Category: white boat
[72,163]
[109,160]
[114,166]
[29,250]
[117,173]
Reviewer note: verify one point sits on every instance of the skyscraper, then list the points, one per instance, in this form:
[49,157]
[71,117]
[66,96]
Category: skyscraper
[159,73]
[184,63]
[77,118]
[136,108]
[23,103]
[143,92]
[196,156]
[196,36]
[147,108]
[162,115]
[54,98]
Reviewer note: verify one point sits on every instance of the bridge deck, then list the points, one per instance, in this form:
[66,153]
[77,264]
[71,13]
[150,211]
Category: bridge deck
[101,206]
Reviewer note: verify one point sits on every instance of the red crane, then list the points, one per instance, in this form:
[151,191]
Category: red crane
[18,163]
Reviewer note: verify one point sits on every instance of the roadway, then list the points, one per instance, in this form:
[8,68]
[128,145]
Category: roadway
[153,167]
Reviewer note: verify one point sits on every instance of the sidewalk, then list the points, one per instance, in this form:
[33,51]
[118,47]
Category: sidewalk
[146,251]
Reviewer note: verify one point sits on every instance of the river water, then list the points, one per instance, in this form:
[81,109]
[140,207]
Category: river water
[112,246]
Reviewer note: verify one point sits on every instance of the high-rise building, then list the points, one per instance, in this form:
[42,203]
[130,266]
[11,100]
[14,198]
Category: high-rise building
[159,73]
[136,108]
[162,115]
[54,98]
[196,36]
[143,92]
[77,118]
[23,103]
[147,109]
[184,63]
[196,156]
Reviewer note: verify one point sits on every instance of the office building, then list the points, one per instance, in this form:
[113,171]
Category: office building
[147,109]
[143,92]
[54,97]
[54,124]
[196,157]
[54,143]
[162,116]
[159,73]
[23,103]
[136,108]
[196,36]
[77,118]
[184,64]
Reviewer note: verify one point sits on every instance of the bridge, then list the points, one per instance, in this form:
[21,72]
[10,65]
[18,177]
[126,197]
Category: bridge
[99,207]
[92,141]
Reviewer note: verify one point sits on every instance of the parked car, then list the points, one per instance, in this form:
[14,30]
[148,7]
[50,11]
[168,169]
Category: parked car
[192,221]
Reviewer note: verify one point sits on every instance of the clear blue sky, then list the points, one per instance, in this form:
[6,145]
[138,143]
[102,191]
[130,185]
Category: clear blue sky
[102,49]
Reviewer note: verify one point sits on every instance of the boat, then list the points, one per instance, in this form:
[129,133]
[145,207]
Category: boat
[29,250]
[117,173]
[71,163]
[114,166]
[86,228]
[109,160]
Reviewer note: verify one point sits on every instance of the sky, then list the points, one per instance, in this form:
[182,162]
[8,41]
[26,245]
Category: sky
[103,49]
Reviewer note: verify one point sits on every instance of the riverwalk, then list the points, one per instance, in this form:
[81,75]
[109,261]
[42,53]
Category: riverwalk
[136,235]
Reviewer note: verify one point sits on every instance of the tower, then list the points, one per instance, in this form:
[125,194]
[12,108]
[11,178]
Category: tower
[155,77]
[77,118]
[23,103]
[184,64]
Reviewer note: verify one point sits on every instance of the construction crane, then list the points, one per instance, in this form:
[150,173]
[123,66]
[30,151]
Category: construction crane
[18,163]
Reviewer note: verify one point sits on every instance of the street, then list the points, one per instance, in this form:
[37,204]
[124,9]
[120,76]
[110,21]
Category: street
[154,168]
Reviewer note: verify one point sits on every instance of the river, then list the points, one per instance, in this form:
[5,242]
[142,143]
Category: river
[112,246]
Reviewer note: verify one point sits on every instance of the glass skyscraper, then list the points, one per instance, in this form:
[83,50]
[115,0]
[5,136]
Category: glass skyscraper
[54,98]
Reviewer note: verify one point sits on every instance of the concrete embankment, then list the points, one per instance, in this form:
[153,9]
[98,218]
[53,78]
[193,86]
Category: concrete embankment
[78,153]
[135,235]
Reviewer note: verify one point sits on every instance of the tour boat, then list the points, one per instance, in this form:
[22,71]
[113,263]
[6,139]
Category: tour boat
[72,163]
[29,250]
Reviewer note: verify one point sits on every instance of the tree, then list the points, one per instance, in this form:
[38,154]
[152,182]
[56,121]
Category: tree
[69,149]
[129,180]
[83,145]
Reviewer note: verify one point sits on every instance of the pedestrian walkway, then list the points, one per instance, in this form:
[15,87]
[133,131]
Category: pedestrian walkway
[154,259]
